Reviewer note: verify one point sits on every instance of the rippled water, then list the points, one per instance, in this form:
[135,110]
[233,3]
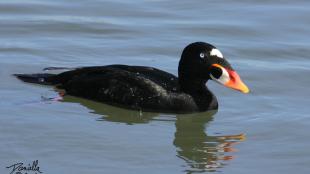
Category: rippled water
[267,42]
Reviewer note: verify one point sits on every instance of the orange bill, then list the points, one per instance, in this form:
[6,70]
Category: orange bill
[235,82]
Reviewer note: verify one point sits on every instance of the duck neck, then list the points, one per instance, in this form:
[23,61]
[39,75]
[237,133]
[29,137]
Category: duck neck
[203,97]
[191,86]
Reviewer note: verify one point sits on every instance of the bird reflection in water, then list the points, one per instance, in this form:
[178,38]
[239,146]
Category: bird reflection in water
[200,151]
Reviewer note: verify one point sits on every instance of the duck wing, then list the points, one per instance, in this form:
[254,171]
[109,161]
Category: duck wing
[135,87]
[166,80]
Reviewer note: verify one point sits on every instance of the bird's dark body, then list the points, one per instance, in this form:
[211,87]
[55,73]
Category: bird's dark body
[147,88]
[134,87]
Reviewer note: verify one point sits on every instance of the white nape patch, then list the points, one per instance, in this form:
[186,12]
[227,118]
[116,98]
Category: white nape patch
[216,52]
[224,78]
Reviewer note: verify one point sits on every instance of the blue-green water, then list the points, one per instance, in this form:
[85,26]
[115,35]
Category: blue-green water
[266,131]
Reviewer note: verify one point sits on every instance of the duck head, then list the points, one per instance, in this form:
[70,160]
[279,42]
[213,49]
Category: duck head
[201,61]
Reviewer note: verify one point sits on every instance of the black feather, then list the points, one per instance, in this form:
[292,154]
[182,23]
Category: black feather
[43,79]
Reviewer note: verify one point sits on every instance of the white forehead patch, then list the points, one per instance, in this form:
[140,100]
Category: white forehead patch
[216,52]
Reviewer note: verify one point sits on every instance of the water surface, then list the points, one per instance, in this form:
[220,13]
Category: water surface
[265,41]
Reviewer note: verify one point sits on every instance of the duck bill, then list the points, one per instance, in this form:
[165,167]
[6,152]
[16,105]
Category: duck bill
[235,82]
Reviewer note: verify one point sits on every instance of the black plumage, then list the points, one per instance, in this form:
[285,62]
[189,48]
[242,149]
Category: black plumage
[143,88]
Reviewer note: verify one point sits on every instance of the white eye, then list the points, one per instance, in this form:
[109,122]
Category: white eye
[216,52]
[223,79]
[202,55]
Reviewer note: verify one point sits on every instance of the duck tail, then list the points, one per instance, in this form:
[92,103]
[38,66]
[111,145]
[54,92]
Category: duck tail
[42,79]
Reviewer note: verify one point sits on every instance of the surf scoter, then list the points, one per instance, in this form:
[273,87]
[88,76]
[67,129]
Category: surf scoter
[150,89]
